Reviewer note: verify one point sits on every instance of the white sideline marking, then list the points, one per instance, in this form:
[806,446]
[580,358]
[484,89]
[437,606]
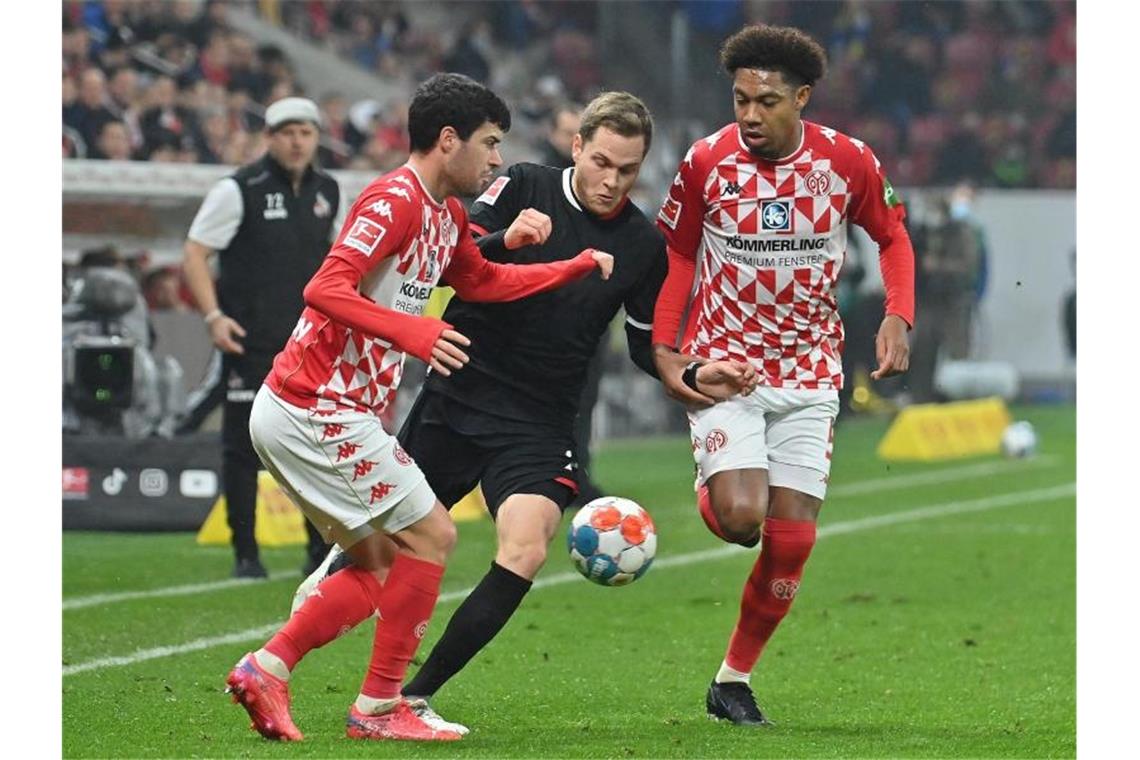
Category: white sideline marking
[835,529]
[847,489]
[79,602]
[937,476]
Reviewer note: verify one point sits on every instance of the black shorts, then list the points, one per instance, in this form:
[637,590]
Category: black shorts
[458,447]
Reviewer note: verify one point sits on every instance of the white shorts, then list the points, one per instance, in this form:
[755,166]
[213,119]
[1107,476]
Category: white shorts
[785,431]
[342,469]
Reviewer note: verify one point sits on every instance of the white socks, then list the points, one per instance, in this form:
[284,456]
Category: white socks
[271,664]
[728,675]
[370,706]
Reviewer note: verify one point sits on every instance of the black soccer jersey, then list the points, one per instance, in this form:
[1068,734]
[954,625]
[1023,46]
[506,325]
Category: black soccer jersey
[529,357]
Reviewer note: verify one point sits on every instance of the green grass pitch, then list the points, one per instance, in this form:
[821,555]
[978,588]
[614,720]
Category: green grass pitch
[947,628]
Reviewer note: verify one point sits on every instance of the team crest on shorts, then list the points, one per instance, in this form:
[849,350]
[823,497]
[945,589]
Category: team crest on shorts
[715,441]
[401,456]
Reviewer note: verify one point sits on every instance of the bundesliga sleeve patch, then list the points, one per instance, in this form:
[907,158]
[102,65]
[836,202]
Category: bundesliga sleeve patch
[670,213]
[492,193]
[365,235]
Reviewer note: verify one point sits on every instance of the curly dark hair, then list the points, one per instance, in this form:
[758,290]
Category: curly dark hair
[775,48]
[452,100]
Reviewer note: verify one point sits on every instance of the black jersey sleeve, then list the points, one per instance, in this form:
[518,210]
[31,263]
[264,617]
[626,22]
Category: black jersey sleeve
[500,203]
[639,305]
[494,210]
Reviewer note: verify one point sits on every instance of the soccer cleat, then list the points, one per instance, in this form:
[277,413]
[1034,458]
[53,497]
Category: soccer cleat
[734,702]
[265,697]
[423,711]
[399,723]
[247,567]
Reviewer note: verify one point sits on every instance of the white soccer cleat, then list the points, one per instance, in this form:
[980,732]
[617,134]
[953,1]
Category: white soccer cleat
[309,585]
[423,711]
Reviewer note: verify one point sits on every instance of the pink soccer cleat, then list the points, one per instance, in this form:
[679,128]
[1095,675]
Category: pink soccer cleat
[398,723]
[265,697]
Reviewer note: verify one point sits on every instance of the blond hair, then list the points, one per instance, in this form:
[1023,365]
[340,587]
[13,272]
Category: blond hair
[619,112]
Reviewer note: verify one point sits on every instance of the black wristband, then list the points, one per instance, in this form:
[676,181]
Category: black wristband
[689,375]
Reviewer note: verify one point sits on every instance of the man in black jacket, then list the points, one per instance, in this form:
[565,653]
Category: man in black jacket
[271,224]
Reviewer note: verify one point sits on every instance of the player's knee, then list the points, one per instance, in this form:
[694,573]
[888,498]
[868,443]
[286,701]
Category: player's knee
[740,520]
[446,536]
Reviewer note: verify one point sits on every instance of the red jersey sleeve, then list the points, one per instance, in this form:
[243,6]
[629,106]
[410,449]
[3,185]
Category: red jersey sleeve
[876,207]
[476,279]
[681,220]
[376,227]
[334,291]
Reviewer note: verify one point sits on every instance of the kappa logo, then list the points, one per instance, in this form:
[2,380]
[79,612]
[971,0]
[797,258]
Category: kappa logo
[399,192]
[302,329]
[775,216]
[493,191]
[382,208]
[731,188]
[365,235]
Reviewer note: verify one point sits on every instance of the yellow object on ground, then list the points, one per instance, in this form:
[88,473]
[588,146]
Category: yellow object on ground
[932,432]
[278,521]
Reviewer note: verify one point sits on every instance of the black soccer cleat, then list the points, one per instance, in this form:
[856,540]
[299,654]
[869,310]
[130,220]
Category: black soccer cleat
[249,567]
[734,702]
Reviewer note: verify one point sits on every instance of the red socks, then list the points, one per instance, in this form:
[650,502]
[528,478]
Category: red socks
[770,589]
[410,593]
[338,604]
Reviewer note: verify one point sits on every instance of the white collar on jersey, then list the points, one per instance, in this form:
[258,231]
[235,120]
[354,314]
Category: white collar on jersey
[427,193]
[567,189]
[781,159]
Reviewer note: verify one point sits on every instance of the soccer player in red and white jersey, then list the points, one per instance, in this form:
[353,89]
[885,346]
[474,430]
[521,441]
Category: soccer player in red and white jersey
[756,231]
[315,421]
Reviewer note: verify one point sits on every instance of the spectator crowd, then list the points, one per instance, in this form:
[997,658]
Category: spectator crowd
[946,91]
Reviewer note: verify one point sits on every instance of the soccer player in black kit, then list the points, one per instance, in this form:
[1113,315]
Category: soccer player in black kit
[506,420]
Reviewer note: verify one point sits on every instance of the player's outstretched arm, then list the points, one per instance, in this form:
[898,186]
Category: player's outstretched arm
[477,279]
[334,292]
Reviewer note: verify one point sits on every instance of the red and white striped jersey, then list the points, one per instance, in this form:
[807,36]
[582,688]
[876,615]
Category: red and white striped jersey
[769,239]
[400,240]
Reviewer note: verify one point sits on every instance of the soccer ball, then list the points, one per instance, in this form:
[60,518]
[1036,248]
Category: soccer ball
[612,541]
[1019,440]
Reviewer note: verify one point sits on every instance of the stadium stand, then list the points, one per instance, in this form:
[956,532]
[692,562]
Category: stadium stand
[945,91]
